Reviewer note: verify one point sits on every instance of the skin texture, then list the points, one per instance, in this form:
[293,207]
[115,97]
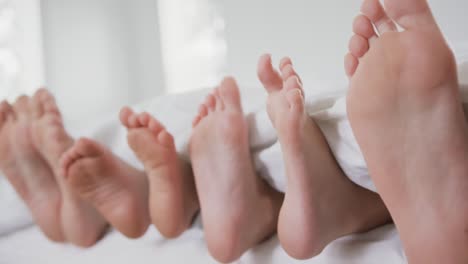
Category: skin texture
[173,200]
[224,175]
[411,128]
[117,190]
[314,177]
[32,140]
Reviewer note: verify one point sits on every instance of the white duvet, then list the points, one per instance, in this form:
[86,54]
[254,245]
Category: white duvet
[327,105]
[176,112]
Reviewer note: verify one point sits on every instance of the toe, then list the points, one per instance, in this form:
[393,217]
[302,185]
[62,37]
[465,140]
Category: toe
[376,13]
[166,139]
[362,26]
[269,77]
[288,72]
[414,14]
[210,102]
[144,119]
[124,116]
[285,62]
[296,100]
[293,83]
[48,104]
[358,46]
[5,112]
[219,103]
[287,69]
[37,107]
[133,121]
[230,94]
[294,93]
[351,63]
[202,111]
[154,125]
[65,162]
[87,148]
[196,121]
[21,107]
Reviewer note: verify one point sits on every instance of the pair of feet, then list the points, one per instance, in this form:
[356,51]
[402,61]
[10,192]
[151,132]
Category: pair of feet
[71,187]
[31,143]
[239,210]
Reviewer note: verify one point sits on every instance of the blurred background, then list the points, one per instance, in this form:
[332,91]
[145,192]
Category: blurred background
[97,55]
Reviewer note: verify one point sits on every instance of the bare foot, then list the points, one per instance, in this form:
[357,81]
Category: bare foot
[26,170]
[117,190]
[405,111]
[173,199]
[320,201]
[82,225]
[239,209]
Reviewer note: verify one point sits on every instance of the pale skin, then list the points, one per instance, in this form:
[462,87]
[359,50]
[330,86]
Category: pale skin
[73,188]
[412,128]
[31,142]
[431,230]
[221,173]
[224,174]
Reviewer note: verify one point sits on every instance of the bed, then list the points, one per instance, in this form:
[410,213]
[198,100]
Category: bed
[22,242]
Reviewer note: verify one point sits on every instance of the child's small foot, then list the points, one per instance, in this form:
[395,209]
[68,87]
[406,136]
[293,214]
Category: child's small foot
[26,170]
[117,190]
[173,199]
[239,209]
[405,111]
[82,224]
[320,202]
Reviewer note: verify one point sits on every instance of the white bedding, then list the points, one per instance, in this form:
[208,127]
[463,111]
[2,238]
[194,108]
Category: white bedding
[29,246]
[176,111]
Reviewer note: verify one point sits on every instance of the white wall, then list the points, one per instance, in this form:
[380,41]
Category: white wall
[96,49]
[193,43]
[101,54]
[314,33]
[21,61]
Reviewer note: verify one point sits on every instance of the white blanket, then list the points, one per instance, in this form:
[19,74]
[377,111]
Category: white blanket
[29,246]
[326,105]
[176,112]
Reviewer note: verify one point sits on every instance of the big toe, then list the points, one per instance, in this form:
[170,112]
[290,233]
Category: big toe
[21,107]
[269,77]
[47,103]
[82,148]
[125,115]
[36,103]
[229,93]
[411,14]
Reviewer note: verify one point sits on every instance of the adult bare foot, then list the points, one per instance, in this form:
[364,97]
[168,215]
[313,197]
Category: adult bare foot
[320,201]
[82,225]
[239,209]
[26,170]
[405,111]
[173,199]
[117,190]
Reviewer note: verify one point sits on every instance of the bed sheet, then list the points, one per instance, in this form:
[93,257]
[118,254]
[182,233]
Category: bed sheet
[28,245]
